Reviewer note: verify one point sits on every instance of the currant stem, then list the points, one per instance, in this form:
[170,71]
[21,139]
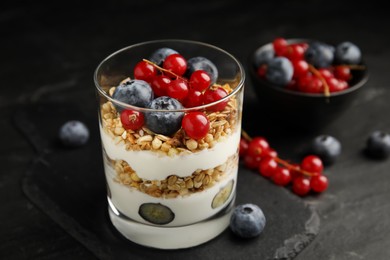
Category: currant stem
[353,66]
[318,74]
[162,69]
[292,167]
[245,135]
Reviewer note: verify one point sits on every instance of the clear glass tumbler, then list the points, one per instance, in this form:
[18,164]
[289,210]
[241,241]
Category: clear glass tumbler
[170,190]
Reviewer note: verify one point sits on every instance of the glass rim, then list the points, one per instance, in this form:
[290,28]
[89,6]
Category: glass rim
[131,107]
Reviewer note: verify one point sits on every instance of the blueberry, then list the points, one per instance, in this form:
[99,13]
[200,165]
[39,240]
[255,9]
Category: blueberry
[327,147]
[74,133]
[165,123]
[348,53]
[319,54]
[378,145]
[159,55]
[263,56]
[134,92]
[202,63]
[279,71]
[247,220]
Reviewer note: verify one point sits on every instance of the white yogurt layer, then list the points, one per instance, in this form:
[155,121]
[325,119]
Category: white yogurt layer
[151,165]
[188,209]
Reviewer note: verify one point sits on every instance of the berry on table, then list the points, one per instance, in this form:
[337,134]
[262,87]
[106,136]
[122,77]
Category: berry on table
[281,176]
[247,220]
[243,148]
[267,166]
[378,145]
[258,146]
[327,147]
[319,183]
[74,133]
[301,186]
[196,125]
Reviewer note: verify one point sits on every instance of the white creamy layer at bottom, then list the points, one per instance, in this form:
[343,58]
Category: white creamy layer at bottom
[188,209]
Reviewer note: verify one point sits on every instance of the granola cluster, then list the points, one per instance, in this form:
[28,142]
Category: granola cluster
[172,186]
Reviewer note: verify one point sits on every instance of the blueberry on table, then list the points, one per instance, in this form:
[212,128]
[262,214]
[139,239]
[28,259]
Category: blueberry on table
[74,133]
[320,55]
[165,123]
[133,92]
[348,53]
[327,147]
[279,71]
[159,55]
[202,63]
[378,145]
[247,220]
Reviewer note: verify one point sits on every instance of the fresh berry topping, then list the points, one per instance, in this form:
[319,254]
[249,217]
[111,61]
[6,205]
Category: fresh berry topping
[319,54]
[132,119]
[327,147]
[160,85]
[199,80]
[159,55]
[176,64]
[301,186]
[247,220]
[74,133]
[281,176]
[133,92]
[312,163]
[342,72]
[319,183]
[214,94]
[196,125]
[279,71]
[378,145]
[165,123]
[178,88]
[263,56]
[280,46]
[144,71]
[202,63]
[193,99]
[347,53]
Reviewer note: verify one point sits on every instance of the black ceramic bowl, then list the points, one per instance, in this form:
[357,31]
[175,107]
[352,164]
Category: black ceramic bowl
[293,110]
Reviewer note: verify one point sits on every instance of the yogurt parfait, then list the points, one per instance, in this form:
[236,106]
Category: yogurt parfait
[170,125]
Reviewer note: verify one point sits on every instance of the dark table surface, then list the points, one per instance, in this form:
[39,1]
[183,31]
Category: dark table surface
[49,53]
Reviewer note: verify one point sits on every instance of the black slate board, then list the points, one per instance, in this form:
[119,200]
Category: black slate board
[69,186]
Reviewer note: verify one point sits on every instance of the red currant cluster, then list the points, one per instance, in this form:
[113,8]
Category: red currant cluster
[306,76]
[193,90]
[257,154]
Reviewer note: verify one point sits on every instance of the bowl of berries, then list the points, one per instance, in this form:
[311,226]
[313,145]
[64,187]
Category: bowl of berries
[305,83]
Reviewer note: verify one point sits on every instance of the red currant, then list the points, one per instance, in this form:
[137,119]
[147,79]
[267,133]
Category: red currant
[193,99]
[178,89]
[281,176]
[280,46]
[326,73]
[196,125]
[267,166]
[342,72]
[301,67]
[160,85]
[301,186]
[295,52]
[214,94]
[132,119]
[294,170]
[310,84]
[312,164]
[176,64]
[243,147]
[199,80]
[258,146]
[272,153]
[144,71]
[292,85]
[251,162]
[262,70]
[319,183]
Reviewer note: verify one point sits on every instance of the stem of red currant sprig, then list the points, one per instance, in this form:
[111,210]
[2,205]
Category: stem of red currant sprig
[313,70]
[286,164]
[164,70]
